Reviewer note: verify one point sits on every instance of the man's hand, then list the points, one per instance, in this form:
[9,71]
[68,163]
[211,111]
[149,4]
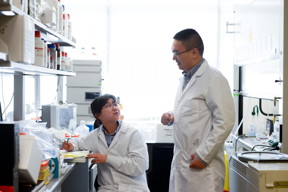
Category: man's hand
[167,118]
[196,163]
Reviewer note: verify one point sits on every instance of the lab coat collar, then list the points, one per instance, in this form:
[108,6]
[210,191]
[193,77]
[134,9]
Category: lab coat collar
[122,129]
[198,73]
[106,133]
[192,71]
[201,69]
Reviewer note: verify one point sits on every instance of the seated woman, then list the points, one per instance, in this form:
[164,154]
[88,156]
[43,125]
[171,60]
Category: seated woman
[119,150]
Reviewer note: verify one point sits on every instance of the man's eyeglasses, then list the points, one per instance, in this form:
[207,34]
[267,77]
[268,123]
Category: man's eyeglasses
[179,53]
[111,105]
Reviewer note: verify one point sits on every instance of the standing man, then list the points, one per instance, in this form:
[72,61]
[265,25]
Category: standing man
[202,119]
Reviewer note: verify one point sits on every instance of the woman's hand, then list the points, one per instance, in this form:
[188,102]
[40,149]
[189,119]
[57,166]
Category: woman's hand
[97,158]
[67,146]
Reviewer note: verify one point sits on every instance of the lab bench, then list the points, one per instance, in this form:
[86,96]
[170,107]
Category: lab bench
[76,178]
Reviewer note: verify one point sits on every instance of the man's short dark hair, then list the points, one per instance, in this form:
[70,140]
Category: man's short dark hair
[191,39]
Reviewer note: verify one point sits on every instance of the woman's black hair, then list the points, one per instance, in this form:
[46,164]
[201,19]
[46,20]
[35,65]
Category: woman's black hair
[97,105]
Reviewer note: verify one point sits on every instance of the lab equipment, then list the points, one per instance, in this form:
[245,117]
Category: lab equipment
[262,156]
[30,157]
[59,116]
[82,91]
[164,134]
[258,176]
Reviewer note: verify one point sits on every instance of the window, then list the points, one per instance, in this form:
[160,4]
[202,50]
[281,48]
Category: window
[134,39]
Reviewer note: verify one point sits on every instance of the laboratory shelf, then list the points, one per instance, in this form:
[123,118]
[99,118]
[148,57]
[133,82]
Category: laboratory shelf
[53,36]
[28,69]
[13,9]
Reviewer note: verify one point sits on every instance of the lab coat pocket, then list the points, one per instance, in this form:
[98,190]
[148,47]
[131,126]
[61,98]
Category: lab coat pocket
[197,175]
[128,188]
[189,172]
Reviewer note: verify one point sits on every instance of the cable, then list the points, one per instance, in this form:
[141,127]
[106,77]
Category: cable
[240,124]
[269,149]
[2,92]
[8,104]
[260,146]
[236,141]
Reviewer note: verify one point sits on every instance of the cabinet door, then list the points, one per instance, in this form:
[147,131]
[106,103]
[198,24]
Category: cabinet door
[78,179]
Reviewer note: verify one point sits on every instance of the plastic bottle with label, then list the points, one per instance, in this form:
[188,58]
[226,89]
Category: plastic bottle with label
[45,52]
[59,57]
[47,65]
[53,56]
[69,27]
[60,19]
[65,22]
[68,63]
[63,60]
[39,49]
[82,129]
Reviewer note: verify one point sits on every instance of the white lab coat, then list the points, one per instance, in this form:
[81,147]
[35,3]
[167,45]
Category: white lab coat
[127,159]
[203,118]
